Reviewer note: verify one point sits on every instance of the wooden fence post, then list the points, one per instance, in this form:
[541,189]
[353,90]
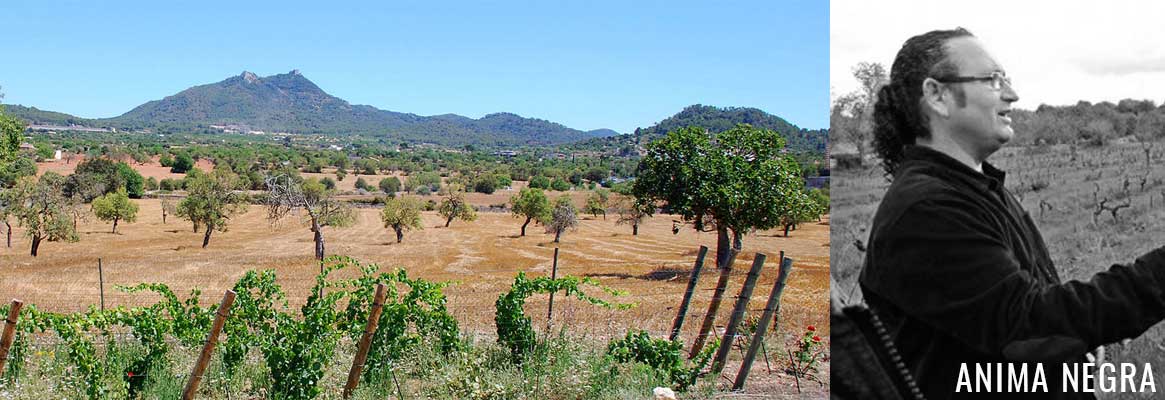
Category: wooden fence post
[550,307]
[717,297]
[9,332]
[771,309]
[738,313]
[679,322]
[101,282]
[366,340]
[224,309]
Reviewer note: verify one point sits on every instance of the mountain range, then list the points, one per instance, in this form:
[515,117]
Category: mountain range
[292,103]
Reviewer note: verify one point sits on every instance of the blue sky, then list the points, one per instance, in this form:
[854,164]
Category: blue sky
[587,65]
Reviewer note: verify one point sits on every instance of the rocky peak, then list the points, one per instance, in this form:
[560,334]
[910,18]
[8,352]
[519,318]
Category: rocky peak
[296,72]
[250,77]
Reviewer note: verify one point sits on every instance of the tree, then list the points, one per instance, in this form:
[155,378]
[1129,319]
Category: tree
[850,114]
[287,194]
[485,184]
[134,183]
[731,182]
[454,206]
[168,207]
[7,203]
[597,203]
[211,202]
[632,212]
[540,182]
[559,185]
[361,184]
[389,185]
[532,204]
[43,210]
[402,214]
[563,217]
[115,207]
[183,163]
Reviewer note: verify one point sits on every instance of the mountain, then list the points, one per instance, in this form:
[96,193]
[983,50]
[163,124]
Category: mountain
[292,103]
[719,119]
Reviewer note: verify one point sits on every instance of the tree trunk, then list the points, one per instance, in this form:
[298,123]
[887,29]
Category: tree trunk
[400,233]
[163,216]
[9,225]
[722,244]
[557,234]
[35,244]
[195,226]
[523,225]
[448,220]
[206,237]
[115,225]
[319,238]
[635,229]
[786,230]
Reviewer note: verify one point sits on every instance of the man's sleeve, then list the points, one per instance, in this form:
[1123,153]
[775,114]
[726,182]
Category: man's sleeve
[944,262]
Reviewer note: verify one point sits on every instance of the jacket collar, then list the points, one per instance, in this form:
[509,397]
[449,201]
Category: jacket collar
[925,159]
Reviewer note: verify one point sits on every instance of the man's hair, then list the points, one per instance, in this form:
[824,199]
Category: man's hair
[898,117]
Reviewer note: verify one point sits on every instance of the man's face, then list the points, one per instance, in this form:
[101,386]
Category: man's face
[981,124]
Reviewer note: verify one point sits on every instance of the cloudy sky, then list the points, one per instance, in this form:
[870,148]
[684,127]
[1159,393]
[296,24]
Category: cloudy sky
[1056,52]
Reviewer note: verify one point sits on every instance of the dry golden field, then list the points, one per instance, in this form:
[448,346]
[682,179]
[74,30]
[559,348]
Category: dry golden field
[481,256]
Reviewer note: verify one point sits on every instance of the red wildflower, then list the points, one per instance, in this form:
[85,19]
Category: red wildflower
[817,338]
[129,374]
[811,328]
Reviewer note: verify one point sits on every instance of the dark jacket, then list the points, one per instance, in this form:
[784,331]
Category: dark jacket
[959,273]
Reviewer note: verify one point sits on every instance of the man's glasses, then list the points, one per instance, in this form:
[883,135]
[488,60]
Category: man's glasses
[996,80]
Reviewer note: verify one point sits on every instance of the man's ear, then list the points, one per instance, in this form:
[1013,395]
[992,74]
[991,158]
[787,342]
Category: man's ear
[934,97]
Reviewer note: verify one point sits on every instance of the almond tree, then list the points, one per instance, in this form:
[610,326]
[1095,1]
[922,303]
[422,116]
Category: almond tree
[401,214]
[115,207]
[532,204]
[288,194]
[43,210]
[632,212]
[454,206]
[564,216]
[211,201]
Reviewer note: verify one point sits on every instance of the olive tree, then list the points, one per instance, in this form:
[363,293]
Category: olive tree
[454,206]
[564,216]
[211,201]
[115,207]
[532,204]
[288,194]
[597,203]
[401,214]
[731,182]
[43,210]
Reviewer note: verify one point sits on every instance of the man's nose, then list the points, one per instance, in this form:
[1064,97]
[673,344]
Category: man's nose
[1008,94]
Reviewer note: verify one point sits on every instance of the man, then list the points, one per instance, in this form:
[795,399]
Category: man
[955,268]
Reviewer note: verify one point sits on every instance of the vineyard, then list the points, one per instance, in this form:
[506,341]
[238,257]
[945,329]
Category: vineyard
[1094,205]
[465,269]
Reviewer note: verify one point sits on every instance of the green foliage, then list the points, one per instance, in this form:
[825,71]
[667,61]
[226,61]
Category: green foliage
[532,204]
[430,181]
[485,184]
[115,207]
[10,137]
[597,203]
[454,206]
[133,180]
[738,179]
[297,354]
[166,160]
[211,201]
[256,300]
[43,210]
[514,329]
[559,185]
[328,183]
[390,184]
[361,184]
[665,356]
[401,214]
[19,167]
[540,182]
[183,163]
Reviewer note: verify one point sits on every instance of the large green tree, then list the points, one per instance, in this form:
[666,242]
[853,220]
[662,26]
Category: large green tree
[401,214]
[115,207]
[532,204]
[732,182]
[211,201]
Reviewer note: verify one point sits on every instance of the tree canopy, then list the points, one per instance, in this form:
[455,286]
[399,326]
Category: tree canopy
[402,214]
[115,207]
[532,204]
